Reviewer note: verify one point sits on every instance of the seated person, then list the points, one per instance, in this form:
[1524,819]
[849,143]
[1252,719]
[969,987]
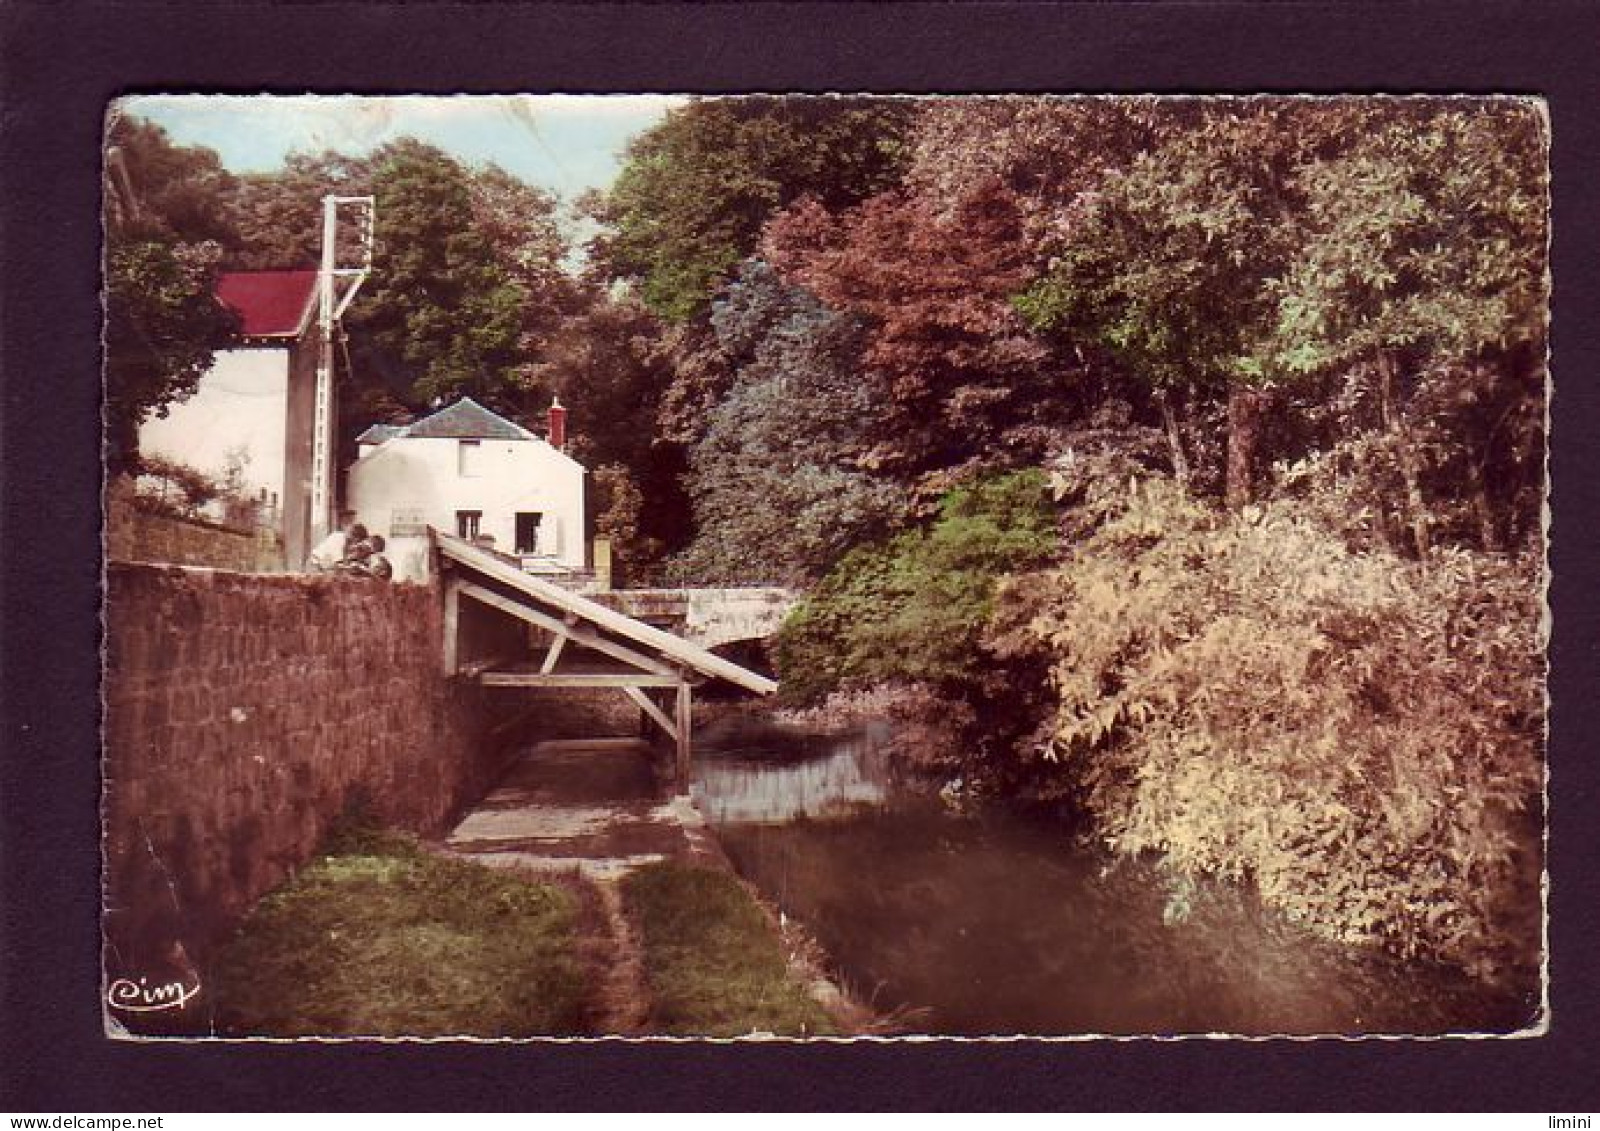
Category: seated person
[332,550]
[356,555]
[378,566]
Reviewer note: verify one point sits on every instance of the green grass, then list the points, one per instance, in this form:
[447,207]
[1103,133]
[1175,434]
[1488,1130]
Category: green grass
[380,938]
[714,963]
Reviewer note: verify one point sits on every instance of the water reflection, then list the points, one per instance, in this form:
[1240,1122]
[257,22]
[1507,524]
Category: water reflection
[777,776]
[999,925]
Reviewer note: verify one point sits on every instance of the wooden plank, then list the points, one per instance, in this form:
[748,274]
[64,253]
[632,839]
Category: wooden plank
[554,653]
[609,619]
[452,627]
[684,732]
[584,636]
[662,719]
[577,679]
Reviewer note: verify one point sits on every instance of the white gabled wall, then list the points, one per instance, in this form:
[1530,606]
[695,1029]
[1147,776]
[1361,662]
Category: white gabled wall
[240,402]
[419,481]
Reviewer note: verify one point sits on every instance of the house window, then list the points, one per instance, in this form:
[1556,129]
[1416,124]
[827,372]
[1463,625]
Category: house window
[467,523]
[469,458]
[528,532]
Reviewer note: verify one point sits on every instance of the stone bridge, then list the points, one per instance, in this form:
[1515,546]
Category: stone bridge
[709,618]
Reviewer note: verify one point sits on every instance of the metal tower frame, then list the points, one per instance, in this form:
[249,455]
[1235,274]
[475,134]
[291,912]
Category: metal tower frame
[332,302]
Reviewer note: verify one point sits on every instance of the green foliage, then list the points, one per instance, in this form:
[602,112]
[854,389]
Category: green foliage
[618,507]
[695,191]
[1259,244]
[380,938]
[1426,235]
[163,325]
[913,608]
[156,190]
[166,224]
[1358,736]
[442,315]
[165,486]
[1472,437]
[715,965]
[278,215]
[1166,260]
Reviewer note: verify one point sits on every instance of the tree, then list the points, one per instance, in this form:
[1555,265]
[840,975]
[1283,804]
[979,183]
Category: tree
[1421,274]
[618,507]
[167,487]
[441,317]
[278,216]
[1047,151]
[519,223]
[602,356]
[778,485]
[1166,265]
[914,607]
[158,190]
[695,190]
[163,323]
[958,375]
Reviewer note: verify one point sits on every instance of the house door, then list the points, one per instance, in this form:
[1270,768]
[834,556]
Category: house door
[528,532]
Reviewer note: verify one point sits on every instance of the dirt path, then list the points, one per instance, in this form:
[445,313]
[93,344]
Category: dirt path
[621,1000]
[590,811]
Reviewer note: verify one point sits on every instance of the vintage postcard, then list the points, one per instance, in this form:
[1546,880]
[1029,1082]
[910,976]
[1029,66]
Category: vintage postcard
[825,567]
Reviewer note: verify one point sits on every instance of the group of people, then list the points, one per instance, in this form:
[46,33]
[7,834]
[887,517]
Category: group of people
[353,551]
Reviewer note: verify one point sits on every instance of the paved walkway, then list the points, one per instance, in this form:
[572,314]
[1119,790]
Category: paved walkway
[587,806]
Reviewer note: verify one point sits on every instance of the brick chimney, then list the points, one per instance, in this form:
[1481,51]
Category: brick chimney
[557,434]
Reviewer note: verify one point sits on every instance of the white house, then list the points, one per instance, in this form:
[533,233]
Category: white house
[471,472]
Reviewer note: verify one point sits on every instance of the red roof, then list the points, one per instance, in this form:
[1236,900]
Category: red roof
[270,304]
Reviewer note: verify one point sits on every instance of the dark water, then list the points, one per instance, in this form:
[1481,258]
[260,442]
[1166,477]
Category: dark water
[998,924]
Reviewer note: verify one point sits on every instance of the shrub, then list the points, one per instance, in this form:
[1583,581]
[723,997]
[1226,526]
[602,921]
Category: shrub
[913,608]
[1357,734]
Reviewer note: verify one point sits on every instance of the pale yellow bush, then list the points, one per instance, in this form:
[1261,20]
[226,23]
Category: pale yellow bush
[1359,736]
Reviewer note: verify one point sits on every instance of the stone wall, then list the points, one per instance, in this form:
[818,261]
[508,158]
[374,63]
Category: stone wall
[133,535]
[242,714]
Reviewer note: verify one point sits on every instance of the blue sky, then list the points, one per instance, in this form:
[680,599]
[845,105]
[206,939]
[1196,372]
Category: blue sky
[563,143]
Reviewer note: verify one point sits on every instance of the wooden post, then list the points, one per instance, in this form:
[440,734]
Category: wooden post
[452,626]
[652,710]
[553,654]
[685,723]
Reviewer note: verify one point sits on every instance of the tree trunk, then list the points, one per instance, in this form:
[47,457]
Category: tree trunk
[1248,409]
[1394,419]
[1169,418]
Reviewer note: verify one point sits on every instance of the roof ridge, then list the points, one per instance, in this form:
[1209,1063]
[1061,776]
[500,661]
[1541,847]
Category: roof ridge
[464,419]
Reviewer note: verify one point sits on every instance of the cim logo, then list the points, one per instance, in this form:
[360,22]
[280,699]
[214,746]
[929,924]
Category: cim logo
[140,996]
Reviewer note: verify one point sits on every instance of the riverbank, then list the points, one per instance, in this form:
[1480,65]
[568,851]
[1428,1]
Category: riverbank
[390,938]
[573,901]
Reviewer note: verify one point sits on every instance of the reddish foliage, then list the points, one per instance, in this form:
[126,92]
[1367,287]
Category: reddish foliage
[956,364]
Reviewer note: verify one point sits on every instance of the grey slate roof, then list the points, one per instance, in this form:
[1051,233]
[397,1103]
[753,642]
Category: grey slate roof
[464,420]
[380,433]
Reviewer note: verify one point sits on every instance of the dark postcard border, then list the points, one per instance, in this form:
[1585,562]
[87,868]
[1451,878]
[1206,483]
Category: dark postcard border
[60,62]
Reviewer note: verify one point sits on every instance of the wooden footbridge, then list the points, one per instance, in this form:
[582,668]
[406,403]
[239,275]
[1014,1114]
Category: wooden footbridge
[580,643]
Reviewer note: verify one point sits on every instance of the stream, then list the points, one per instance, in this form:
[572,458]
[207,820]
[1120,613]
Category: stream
[999,924]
